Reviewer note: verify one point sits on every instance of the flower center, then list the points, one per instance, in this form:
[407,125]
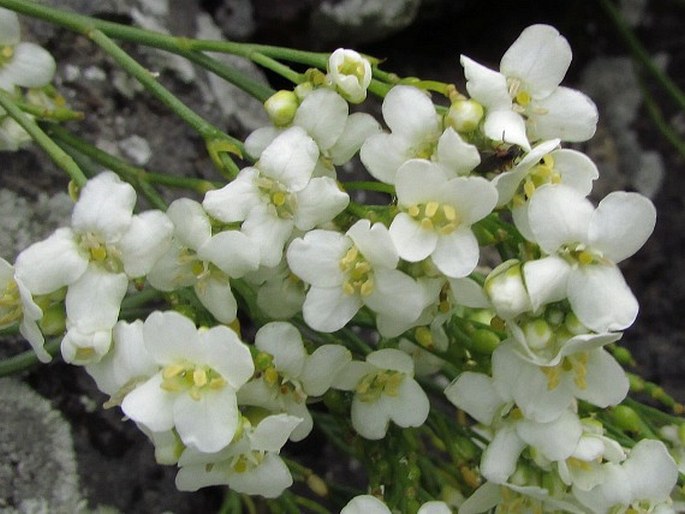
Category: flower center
[440,217]
[359,273]
[281,202]
[247,461]
[575,364]
[425,149]
[373,385]
[520,96]
[580,254]
[353,67]
[10,305]
[99,252]
[6,54]
[284,385]
[541,174]
[191,378]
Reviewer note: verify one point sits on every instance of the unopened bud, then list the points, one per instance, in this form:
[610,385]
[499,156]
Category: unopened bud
[281,107]
[506,290]
[464,115]
[351,74]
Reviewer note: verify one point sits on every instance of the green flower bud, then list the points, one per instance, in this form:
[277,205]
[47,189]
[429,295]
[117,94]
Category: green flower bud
[464,115]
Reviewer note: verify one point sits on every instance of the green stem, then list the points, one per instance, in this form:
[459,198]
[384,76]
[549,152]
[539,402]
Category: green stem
[275,66]
[26,360]
[59,156]
[640,53]
[367,185]
[56,114]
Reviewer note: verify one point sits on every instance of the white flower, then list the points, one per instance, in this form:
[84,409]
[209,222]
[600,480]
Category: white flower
[436,214]
[478,395]
[350,73]
[519,498]
[105,247]
[204,260]
[416,132]
[347,271]
[280,294]
[17,305]
[584,245]
[644,480]
[524,101]
[21,64]
[278,195]
[384,391]
[194,390]
[249,465]
[325,116]
[292,375]
[367,504]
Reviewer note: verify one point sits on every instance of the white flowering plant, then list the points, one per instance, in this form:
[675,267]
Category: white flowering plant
[457,338]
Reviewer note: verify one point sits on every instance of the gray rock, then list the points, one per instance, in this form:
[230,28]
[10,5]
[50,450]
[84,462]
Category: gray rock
[37,463]
[362,21]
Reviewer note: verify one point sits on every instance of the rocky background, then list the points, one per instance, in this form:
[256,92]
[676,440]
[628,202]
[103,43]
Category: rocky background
[60,452]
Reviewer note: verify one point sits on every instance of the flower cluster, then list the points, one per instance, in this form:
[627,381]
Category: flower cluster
[525,341]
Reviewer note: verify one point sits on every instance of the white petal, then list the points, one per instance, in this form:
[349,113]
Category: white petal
[105,207]
[322,366]
[365,504]
[506,126]
[93,301]
[209,422]
[232,252]
[539,57]
[556,440]
[191,223]
[475,394]
[483,499]
[419,181]
[383,154]
[392,359]
[369,419]
[559,214]
[273,432]
[621,224]
[567,114]
[316,257]
[396,294]
[172,270]
[410,112]
[227,354]
[473,198]
[434,507]
[413,242]
[601,299]
[351,374]
[195,476]
[519,215]
[235,200]
[487,86]
[456,254]
[576,169]
[469,293]
[284,342]
[651,471]
[329,309]
[259,139]
[374,243]
[30,66]
[607,383]
[270,233]
[322,114]
[358,128]
[319,202]
[269,479]
[290,159]
[410,407]
[150,405]
[146,239]
[546,280]
[171,337]
[499,459]
[456,155]
[216,295]
[10,31]
[50,264]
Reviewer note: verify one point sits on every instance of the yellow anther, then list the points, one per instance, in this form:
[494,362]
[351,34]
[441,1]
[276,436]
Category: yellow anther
[348,288]
[393,383]
[548,161]
[426,224]
[553,374]
[448,229]
[367,287]
[585,257]
[84,354]
[278,198]
[200,377]
[542,170]
[349,257]
[360,269]
[172,370]
[424,337]
[194,393]
[432,208]
[216,383]
[522,98]
[414,211]
[518,200]
[529,188]
[556,178]
[98,253]
[271,376]
[449,212]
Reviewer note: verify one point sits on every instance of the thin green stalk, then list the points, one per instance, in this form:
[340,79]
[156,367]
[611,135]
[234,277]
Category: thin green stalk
[640,53]
[45,113]
[310,505]
[271,64]
[26,360]
[59,156]
[367,185]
